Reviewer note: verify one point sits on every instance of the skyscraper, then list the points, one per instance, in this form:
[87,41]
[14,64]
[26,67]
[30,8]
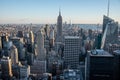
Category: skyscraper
[106,20]
[6,68]
[24,72]
[0,46]
[98,41]
[46,38]
[40,46]
[117,64]
[4,40]
[31,36]
[59,37]
[99,65]
[0,43]
[19,45]
[59,27]
[20,34]
[52,37]
[110,32]
[30,45]
[71,51]
[112,47]
[14,55]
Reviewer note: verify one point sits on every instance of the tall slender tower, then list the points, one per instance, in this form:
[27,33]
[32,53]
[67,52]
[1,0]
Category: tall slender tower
[31,43]
[59,27]
[52,37]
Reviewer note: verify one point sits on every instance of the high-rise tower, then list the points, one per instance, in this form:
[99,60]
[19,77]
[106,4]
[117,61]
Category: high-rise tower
[14,55]
[31,36]
[59,27]
[99,65]
[6,68]
[40,46]
[71,51]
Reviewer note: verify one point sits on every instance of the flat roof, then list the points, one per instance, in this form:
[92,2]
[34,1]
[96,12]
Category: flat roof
[100,53]
[15,38]
[117,52]
[71,37]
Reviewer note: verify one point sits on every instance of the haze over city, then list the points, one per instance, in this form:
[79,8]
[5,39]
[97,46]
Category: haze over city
[45,11]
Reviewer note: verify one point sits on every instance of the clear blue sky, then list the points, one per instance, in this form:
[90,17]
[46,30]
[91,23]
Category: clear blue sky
[46,11]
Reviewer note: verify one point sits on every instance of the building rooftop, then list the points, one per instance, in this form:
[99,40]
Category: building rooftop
[117,52]
[71,37]
[70,74]
[100,53]
[15,38]
[114,45]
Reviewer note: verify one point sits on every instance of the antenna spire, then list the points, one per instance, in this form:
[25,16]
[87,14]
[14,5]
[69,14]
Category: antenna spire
[108,8]
[59,11]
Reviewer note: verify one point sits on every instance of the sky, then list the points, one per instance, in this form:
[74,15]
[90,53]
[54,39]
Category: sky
[47,11]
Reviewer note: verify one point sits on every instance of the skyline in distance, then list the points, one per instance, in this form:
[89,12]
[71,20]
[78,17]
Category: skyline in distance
[46,11]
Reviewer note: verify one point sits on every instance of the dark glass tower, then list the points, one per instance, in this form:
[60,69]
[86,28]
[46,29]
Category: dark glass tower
[99,65]
[110,32]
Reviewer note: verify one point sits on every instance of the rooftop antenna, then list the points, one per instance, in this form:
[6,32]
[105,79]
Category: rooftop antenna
[59,11]
[108,8]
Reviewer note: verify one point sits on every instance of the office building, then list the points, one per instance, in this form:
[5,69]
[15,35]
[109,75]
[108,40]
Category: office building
[0,43]
[18,42]
[106,20]
[24,72]
[110,32]
[0,47]
[47,76]
[30,48]
[99,65]
[41,53]
[70,74]
[71,51]
[31,42]
[4,40]
[52,37]
[14,55]
[46,44]
[117,64]
[46,30]
[20,34]
[30,58]
[98,41]
[6,68]
[31,36]
[38,67]
[112,47]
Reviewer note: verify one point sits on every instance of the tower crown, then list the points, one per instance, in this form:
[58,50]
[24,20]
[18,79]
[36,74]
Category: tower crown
[59,17]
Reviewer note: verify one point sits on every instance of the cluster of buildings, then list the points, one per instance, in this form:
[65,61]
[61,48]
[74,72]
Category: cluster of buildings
[60,52]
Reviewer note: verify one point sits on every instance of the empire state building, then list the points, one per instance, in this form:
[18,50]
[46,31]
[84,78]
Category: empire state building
[59,28]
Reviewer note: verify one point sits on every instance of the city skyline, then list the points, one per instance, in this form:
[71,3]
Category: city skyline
[46,11]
